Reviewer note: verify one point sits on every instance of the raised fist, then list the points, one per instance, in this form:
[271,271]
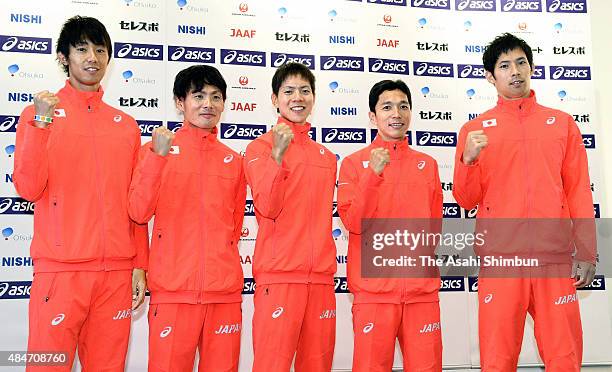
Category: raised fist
[379,158]
[476,141]
[282,138]
[162,140]
[44,105]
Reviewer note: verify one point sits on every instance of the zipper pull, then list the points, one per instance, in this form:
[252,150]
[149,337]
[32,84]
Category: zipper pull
[88,108]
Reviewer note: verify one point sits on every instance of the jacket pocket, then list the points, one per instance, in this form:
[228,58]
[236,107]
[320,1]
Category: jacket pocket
[56,220]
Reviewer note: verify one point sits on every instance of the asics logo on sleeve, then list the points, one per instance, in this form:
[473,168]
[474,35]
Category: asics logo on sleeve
[279,310]
[165,332]
[551,120]
[368,327]
[117,118]
[58,319]
[228,158]
[421,164]
[488,298]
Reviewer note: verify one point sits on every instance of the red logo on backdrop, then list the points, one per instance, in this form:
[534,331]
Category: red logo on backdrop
[244,7]
[245,232]
[387,18]
[522,26]
[243,80]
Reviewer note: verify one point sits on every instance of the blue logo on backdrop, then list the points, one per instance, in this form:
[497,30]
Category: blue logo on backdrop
[452,284]
[26,18]
[249,208]
[279,59]
[597,210]
[341,285]
[539,73]
[431,4]
[589,141]
[570,72]
[433,69]
[15,290]
[521,5]
[242,131]
[174,125]
[243,57]
[191,54]
[342,63]
[8,123]
[20,97]
[451,210]
[249,286]
[389,2]
[472,283]
[389,66]
[598,284]
[11,205]
[471,71]
[7,232]
[343,135]
[147,126]
[475,5]
[139,51]
[566,6]
[444,139]
[22,44]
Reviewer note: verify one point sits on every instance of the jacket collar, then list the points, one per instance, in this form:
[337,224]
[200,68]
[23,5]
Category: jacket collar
[196,136]
[89,100]
[300,131]
[517,105]
[396,148]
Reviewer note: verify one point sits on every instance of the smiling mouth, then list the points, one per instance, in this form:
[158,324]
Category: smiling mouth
[297,108]
[91,69]
[396,125]
[516,83]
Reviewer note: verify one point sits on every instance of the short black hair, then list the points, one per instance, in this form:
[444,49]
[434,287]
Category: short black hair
[80,29]
[503,44]
[385,85]
[194,78]
[291,69]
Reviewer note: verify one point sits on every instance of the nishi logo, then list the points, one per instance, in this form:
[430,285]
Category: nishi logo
[279,59]
[342,63]
[243,57]
[23,44]
[475,5]
[191,54]
[389,66]
[570,72]
[521,5]
[444,139]
[343,135]
[242,131]
[8,123]
[12,205]
[431,4]
[566,6]
[148,126]
[139,51]
[471,71]
[433,69]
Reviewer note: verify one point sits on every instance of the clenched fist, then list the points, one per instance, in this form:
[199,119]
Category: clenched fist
[162,140]
[44,104]
[282,138]
[476,141]
[379,158]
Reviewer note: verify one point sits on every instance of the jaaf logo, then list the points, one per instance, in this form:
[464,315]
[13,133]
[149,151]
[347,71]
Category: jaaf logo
[342,63]
[243,57]
[191,54]
[23,44]
[139,51]
[388,66]
[431,4]
[242,131]
[388,2]
[570,72]
[566,6]
[12,205]
[278,59]
[444,139]
[471,71]
[8,123]
[433,69]
[343,135]
[475,5]
[521,5]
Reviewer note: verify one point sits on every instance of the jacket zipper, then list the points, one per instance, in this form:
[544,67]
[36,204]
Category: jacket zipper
[200,274]
[310,225]
[98,188]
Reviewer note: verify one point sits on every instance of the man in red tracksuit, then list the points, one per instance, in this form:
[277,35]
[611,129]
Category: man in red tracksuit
[196,188]
[388,179]
[74,158]
[292,180]
[523,160]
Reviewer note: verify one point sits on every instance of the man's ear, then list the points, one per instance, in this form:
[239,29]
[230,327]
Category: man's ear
[62,58]
[179,104]
[490,78]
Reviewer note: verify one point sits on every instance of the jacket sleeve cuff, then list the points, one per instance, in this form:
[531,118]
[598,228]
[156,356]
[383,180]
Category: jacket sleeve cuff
[35,136]
[370,179]
[153,163]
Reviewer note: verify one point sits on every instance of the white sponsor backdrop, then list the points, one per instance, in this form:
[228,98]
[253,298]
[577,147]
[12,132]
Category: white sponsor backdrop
[350,45]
